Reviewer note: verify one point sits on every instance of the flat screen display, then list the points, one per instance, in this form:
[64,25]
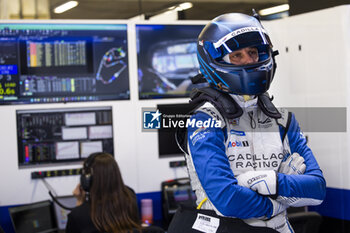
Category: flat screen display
[167,145]
[47,63]
[51,136]
[34,218]
[167,59]
[179,195]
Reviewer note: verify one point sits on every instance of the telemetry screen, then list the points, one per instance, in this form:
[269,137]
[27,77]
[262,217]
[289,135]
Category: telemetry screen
[42,63]
[63,135]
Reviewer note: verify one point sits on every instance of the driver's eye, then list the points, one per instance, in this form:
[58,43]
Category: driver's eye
[237,55]
[253,52]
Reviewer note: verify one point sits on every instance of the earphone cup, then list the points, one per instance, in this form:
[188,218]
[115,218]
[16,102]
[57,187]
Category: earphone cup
[86,173]
[85,182]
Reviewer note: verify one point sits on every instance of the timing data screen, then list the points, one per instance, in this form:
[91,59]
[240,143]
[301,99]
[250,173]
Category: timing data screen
[63,135]
[46,63]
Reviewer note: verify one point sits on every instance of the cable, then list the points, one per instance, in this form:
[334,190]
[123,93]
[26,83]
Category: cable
[59,203]
[49,187]
[201,203]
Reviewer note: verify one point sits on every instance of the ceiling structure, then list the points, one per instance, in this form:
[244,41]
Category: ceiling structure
[125,9]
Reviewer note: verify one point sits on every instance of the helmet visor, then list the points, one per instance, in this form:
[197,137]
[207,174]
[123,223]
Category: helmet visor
[251,37]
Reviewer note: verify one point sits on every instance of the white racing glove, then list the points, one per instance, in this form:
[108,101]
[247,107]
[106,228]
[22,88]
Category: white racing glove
[279,223]
[262,182]
[294,165]
[277,207]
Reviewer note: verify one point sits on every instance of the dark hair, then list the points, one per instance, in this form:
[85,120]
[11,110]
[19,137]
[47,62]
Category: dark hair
[113,205]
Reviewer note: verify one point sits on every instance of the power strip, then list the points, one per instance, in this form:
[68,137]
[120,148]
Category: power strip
[55,173]
[181,163]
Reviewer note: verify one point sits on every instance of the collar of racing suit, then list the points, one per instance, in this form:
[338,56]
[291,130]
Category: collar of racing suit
[263,101]
[245,101]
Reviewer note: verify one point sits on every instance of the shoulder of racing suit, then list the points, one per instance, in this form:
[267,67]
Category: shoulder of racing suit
[221,106]
[227,106]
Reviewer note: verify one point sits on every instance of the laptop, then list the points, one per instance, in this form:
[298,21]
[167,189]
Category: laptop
[36,217]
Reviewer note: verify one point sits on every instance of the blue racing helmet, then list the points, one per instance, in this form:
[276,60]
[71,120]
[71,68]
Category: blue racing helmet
[228,33]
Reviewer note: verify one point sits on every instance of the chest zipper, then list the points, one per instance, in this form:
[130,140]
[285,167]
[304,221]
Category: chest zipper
[252,121]
[253,126]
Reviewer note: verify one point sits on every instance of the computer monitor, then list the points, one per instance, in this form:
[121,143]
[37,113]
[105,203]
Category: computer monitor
[52,136]
[63,62]
[180,195]
[167,59]
[166,136]
[175,193]
[62,213]
[33,218]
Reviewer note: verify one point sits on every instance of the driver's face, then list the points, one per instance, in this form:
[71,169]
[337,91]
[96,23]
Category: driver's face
[244,56]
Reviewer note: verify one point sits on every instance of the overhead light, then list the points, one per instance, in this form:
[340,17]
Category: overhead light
[65,7]
[173,10]
[274,10]
[181,7]
[185,5]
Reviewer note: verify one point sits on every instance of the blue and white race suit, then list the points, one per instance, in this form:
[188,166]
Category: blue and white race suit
[249,143]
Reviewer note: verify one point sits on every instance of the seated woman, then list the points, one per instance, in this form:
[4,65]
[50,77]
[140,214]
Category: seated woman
[105,204]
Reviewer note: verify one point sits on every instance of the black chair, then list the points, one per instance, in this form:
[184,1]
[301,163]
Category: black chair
[152,229]
[149,229]
[305,222]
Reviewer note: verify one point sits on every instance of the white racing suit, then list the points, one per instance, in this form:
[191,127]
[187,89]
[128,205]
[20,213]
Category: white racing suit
[249,143]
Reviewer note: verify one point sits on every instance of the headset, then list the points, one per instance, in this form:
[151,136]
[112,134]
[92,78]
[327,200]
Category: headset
[85,180]
[87,172]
